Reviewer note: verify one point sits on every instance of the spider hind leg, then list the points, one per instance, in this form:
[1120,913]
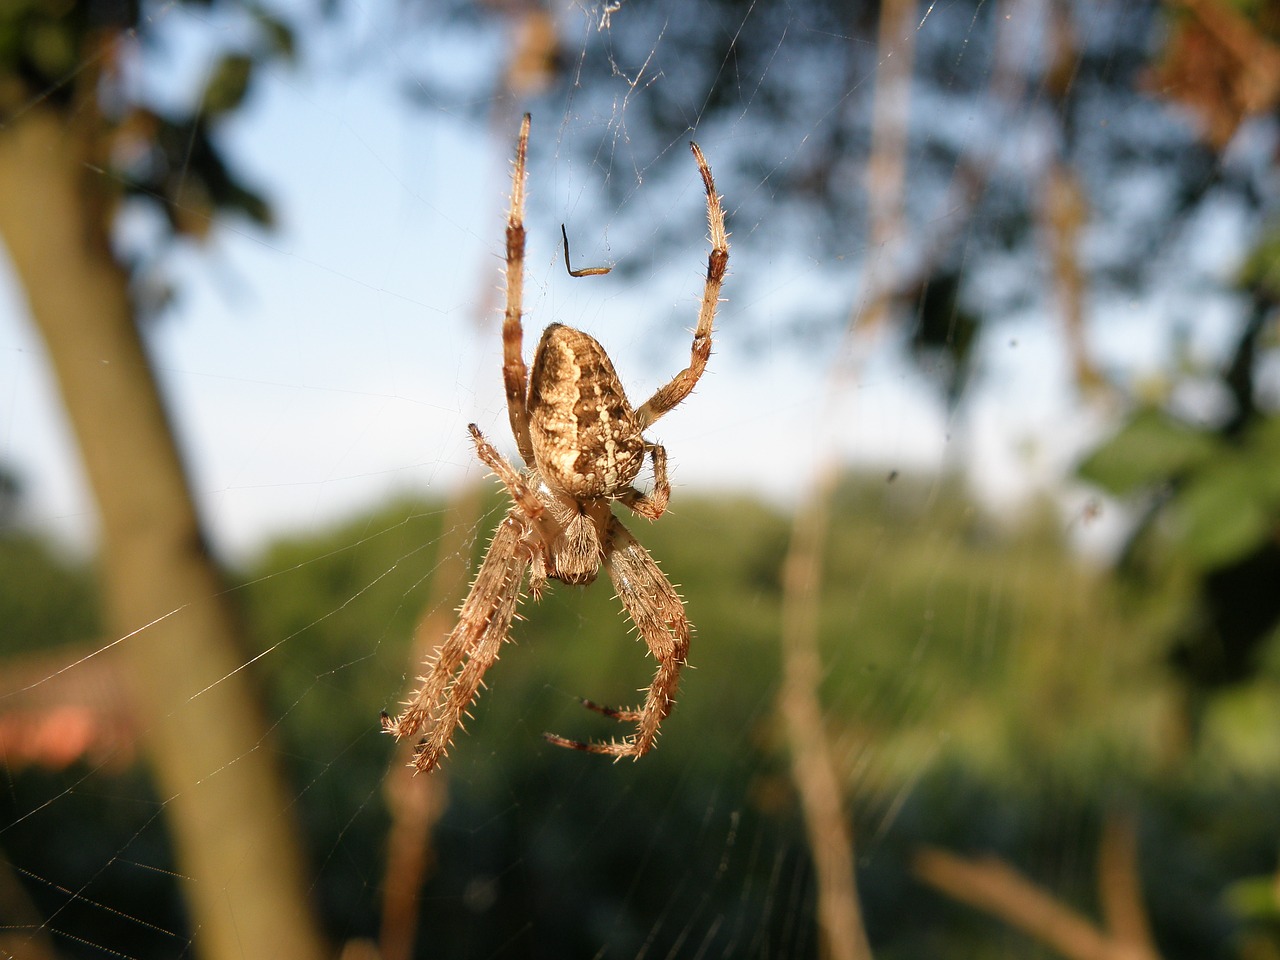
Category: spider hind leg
[614,748]
[655,608]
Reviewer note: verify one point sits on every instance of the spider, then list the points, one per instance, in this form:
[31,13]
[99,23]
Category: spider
[583,447]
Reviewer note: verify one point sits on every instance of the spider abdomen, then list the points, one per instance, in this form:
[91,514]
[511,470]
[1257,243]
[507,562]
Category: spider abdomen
[585,436]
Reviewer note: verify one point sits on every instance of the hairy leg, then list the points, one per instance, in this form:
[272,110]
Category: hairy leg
[459,663]
[651,505]
[515,376]
[522,495]
[655,607]
[682,384]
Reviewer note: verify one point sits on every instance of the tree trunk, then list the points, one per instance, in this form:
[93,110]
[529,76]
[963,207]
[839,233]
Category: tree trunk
[229,813]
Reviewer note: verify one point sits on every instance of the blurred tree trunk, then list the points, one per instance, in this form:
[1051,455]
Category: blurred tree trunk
[227,807]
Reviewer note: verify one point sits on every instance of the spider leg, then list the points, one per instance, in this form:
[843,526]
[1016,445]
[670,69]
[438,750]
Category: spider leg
[564,543]
[515,375]
[651,505]
[524,497]
[682,384]
[470,649]
[614,713]
[655,607]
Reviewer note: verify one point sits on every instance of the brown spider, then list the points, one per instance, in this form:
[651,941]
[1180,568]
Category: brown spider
[583,447]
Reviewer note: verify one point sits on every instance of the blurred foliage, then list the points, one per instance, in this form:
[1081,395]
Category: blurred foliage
[11,491]
[1261,269]
[1203,477]
[982,643]
[985,691]
[77,57]
[46,600]
[79,859]
[1147,450]
[944,334]
[1001,96]
[1205,489]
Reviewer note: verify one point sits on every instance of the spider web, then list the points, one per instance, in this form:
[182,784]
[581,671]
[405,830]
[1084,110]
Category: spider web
[853,484]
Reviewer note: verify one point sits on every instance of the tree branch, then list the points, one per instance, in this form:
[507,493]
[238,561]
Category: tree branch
[991,885]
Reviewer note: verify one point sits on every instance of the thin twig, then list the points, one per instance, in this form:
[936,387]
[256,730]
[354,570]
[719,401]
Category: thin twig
[991,885]
[417,803]
[1120,887]
[813,768]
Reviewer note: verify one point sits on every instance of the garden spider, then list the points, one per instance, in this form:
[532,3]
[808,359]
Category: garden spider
[582,446]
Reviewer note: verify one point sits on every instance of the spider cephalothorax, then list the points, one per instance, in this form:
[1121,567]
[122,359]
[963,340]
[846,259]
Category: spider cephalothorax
[583,447]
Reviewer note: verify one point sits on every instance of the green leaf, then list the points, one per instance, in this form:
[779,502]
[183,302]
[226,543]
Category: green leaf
[227,84]
[1226,511]
[279,34]
[1264,438]
[1254,898]
[1261,270]
[51,46]
[1152,448]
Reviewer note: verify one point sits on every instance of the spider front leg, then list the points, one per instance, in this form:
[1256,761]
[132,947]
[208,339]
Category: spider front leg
[515,375]
[682,384]
[655,607]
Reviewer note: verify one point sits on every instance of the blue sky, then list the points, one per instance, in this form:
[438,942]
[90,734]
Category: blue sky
[317,369]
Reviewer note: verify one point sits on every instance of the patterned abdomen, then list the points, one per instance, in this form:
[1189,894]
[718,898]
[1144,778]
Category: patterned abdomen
[585,437]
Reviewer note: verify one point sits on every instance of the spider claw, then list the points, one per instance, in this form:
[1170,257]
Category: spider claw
[558,741]
[615,713]
[618,749]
